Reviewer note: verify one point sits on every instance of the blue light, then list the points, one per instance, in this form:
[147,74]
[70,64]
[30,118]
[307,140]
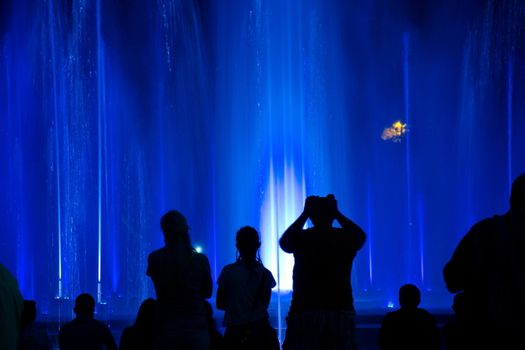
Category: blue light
[233,114]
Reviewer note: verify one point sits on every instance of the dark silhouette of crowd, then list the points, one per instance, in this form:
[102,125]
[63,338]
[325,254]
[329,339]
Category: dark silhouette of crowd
[486,275]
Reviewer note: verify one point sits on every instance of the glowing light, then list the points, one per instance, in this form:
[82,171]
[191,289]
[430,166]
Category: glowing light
[282,204]
[390,305]
[198,249]
[395,132]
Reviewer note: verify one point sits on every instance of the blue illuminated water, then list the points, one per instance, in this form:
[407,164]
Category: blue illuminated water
[233,112]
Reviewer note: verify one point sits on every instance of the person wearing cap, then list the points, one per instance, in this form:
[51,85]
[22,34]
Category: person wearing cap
[182,281]
[488,266]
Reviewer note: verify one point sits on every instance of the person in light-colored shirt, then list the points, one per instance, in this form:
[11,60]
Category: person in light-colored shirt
[244,293]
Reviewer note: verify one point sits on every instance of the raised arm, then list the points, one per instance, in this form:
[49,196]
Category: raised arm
[289,238]
[358,235]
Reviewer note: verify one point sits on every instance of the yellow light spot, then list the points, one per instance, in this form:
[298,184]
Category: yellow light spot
[395,132]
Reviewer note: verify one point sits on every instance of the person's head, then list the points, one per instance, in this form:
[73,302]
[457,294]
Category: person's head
[175,227]
[517,194]
[28,313]
[146,314]
[84,305]
[322,210]
[409,296]
[247,242]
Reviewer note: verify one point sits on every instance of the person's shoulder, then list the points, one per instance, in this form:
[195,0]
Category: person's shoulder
[127,332]
[229,268]
[424,313]
[390,316]
[99,324]
[68,324]
[67,328]
[266,271]
[156,253]
[485,228]
[487,223]
[269,277]
[200,258]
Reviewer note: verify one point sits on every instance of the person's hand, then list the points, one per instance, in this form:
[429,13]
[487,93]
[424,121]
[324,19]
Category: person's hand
[332,205]
[309,205]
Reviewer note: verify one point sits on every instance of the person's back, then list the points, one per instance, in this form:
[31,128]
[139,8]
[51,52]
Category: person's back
[244,294]
[139,336]
[182,281]
[84,332]
[409,327]
[322,269]
[180,284]
[243,284]
[488,265]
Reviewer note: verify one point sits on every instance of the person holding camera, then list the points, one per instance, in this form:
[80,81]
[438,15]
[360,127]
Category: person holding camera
[322,312]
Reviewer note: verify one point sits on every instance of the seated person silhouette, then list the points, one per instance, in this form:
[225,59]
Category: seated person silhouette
[244,292]
[454,330]
[410,327]
[31,336]
[488,266]
[322,312]
[11,306]
[84,332]
[182,281]
[140,335]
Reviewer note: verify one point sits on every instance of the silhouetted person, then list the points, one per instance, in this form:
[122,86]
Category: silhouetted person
[31,336]
[244,293]
[182,281]
[11,306]
[454,330]
[322,310]
[140,335]
[488,265]
[410,327]
[84,332]
[216,337]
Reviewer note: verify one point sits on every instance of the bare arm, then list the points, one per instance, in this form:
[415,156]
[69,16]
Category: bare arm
[358,235]
[207,283]
[220,298]
[455,271]
[289,238]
